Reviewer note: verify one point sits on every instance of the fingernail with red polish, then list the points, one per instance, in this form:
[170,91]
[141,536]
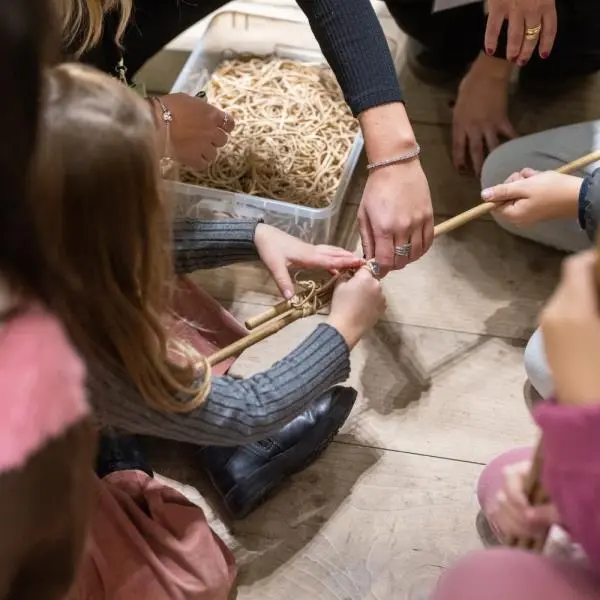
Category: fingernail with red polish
[545,55]
[489,51]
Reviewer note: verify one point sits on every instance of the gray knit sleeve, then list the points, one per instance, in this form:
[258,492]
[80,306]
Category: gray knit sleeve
[199,244]
[237,411]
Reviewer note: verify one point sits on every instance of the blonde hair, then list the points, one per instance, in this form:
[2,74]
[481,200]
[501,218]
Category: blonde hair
[104,228]
[83,21]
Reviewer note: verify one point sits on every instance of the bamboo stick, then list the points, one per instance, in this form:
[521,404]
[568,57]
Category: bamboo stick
[463,218]
[271,313]
[255,336]
[536,496]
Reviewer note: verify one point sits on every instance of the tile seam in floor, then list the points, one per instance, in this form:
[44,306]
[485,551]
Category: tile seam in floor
[395,450]
[417,326]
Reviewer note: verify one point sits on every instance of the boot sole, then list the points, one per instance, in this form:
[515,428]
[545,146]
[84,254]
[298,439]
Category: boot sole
[243,499]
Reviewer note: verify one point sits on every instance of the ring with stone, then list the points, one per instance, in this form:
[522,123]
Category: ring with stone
[373,266]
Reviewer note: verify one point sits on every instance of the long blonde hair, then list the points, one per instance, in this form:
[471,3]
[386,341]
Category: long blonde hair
[106,233]
[83,21]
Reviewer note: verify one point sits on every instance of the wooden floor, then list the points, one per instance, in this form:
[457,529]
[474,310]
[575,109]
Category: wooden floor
[441,392]
[392,503]
[441,384]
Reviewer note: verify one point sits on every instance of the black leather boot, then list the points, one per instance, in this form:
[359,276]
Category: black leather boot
[245,475]
[119,452]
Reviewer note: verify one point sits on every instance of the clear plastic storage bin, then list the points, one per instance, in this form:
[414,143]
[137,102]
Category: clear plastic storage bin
[229,34]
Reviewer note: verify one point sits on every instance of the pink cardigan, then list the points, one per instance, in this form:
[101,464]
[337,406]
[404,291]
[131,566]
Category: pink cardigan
[571,472]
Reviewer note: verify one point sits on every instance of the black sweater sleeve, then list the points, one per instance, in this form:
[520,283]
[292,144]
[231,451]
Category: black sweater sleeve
[354,45]
[348,32]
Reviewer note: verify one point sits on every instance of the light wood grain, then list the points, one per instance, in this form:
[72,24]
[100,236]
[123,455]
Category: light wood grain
[361,523]
[424,391]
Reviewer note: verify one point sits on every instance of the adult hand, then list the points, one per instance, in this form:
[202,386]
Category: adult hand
[529,196]
[512,515]
[396,203]
[396,210]
[480,115]
[356,306]
[521,15]
[197,130]
[279,251]
[570,324]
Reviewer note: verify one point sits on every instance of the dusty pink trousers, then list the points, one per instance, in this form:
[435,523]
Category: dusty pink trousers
[507,574]
[148,542]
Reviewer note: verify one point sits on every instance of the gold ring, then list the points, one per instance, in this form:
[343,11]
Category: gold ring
[533,33]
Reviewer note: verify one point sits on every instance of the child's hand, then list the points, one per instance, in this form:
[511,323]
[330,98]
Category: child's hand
[570,324]
[356,306]
[279,251]
[529,196]
[512,515]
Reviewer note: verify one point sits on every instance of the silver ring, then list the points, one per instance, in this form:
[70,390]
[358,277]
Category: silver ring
[403,250]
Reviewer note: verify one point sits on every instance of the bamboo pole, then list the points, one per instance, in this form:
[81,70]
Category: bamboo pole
[255,336]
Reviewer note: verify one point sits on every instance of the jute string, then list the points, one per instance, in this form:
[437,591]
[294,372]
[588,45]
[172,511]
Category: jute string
[293,131]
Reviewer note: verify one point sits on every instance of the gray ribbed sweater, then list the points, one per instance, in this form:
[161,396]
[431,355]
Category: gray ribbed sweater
[237,411]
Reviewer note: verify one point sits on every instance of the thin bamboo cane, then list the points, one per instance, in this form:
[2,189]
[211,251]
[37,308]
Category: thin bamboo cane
[535,495]
[289,310]
[256,336]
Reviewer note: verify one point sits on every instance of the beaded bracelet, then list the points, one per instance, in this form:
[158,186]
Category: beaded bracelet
[395,159]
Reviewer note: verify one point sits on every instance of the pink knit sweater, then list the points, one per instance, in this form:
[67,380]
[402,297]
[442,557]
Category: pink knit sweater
[572,470]
[41,386]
